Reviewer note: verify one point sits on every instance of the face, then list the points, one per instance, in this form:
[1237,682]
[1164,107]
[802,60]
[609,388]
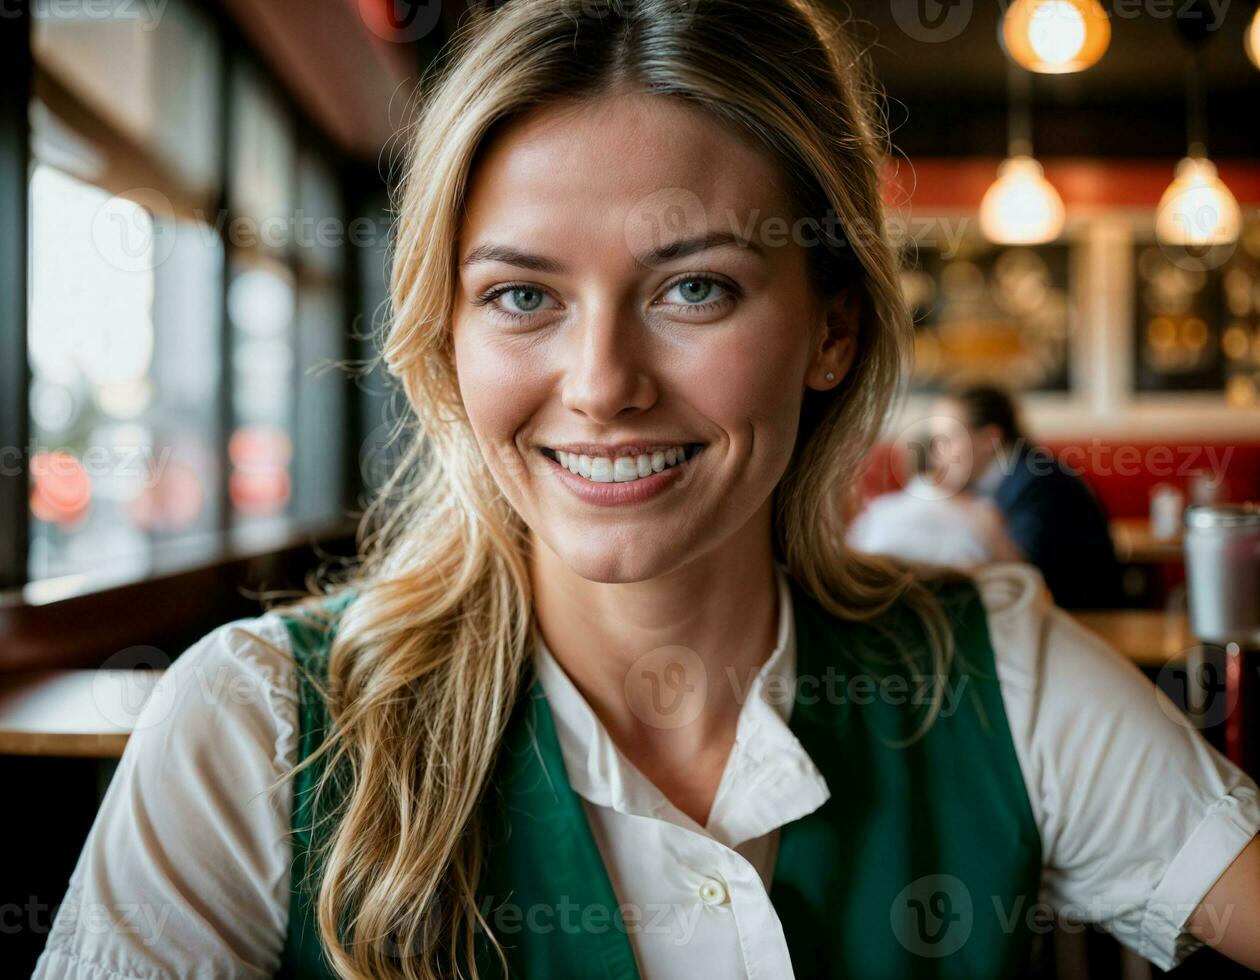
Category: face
[959,454]
[629,308]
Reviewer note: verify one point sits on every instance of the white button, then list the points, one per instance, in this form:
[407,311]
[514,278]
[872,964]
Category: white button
[713,892]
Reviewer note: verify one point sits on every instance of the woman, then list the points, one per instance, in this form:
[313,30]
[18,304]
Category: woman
[608,696]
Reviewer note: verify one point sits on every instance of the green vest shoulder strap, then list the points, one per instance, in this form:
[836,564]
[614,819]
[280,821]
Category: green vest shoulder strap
[310,637]
[924,862]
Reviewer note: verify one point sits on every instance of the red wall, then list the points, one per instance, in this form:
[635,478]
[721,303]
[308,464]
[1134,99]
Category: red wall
[1123,472]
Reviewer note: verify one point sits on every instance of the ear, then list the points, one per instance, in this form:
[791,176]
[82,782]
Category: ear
[838,346]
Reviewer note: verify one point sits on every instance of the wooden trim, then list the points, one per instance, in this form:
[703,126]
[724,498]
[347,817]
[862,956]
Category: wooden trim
[125,624]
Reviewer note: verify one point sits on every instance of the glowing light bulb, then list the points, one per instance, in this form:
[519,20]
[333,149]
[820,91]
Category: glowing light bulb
[1021,207]
[1056,36]
[1057,32]
[1251,40]
[1197,209]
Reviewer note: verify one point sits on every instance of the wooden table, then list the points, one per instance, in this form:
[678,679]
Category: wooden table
[1150,638]
[80,713]
[1135,543]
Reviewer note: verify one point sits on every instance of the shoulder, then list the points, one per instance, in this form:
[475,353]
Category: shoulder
[1042,649]
[239,677]
[196,818]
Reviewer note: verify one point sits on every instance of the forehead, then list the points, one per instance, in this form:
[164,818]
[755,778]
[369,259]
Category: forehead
[622,167]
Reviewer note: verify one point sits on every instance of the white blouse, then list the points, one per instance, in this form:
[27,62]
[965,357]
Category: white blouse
[186,870]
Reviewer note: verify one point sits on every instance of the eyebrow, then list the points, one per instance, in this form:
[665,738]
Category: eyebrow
[678,249]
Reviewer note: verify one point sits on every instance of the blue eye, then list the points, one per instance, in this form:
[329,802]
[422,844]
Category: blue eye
[693,291]
[523,300]
[526,299]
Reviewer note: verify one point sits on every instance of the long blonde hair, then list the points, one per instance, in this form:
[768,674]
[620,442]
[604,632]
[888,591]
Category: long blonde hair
[430,658]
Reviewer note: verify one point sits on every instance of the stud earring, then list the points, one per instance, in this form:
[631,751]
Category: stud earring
[830,376]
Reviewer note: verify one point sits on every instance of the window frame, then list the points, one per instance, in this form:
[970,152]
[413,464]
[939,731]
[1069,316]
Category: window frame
[247,549]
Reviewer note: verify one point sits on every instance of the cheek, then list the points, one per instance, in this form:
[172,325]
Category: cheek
[751,380]
[497,390]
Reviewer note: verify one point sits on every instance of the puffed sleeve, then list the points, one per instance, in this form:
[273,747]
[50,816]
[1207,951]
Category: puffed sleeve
[185,872]
[1139,815]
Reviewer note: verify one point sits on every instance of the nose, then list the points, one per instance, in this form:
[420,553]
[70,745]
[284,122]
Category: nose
[607,371]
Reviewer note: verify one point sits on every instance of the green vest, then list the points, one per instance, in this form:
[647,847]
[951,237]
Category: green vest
[924,862]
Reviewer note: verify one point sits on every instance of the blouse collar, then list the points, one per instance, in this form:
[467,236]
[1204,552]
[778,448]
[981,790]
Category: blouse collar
[769,778]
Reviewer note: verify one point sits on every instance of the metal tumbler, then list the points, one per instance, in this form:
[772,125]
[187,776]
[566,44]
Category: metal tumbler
[1222,543]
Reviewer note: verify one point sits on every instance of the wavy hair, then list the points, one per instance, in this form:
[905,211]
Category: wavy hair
[430,658]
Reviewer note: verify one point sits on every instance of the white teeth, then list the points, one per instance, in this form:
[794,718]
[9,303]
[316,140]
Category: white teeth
[623,469]
[601,469]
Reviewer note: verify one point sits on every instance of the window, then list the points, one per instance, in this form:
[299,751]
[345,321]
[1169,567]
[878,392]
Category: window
[187,295]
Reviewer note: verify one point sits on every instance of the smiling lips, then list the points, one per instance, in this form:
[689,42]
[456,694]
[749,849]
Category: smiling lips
[622,468]
[626,479]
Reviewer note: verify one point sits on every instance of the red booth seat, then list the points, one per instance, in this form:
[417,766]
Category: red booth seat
[1121,473]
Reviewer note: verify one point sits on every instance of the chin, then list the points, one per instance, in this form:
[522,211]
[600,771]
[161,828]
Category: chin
[608,561]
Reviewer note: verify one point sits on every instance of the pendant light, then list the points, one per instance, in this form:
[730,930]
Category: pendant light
[1197,211]
[1021,207]
[1056,36]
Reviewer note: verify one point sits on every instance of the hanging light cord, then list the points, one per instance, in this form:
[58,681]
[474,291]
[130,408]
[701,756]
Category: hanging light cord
[1019,113]
[1196,121]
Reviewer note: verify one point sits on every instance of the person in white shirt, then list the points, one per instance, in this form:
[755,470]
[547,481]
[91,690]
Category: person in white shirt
[648,323]
[920,524]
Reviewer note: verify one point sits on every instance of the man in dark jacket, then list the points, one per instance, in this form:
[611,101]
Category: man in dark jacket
[1052,515]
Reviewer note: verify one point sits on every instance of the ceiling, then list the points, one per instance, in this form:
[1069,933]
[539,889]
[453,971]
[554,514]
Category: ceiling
[1146,58]
[947,97]
[946,91]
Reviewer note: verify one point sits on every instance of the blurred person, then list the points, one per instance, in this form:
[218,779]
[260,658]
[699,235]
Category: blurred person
[1052,515]
[540,730]
[929,521]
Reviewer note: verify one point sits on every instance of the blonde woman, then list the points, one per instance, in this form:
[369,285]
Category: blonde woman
[608,697]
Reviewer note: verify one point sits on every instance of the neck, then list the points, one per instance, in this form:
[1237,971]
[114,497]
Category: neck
[663,662]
